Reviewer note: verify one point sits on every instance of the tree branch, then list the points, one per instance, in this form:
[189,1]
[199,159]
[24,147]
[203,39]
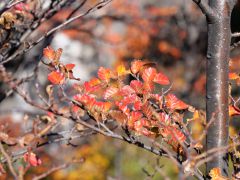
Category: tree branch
[205,8]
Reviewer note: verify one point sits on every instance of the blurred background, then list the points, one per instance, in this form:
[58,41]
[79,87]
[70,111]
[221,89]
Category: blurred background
[173,34]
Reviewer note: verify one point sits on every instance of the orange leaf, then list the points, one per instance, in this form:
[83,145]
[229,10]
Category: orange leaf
[172,102]
[137,86]
[104,74]
[91,89]
[233,111]
[69,67]
[58,54]
[127,90]
[147,110]
[215,174]
[49,53]
[161,79]
[110,92]
[149,74]
[136,66]
[56,77]
[233,76]
[94,82]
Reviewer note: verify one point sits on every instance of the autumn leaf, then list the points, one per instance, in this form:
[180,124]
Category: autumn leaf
[49,53]
[233,76]
[123,107]
[69,67]
[58,54]
[89,88]
[162,79]
[172,102]
[121,70]
[32,159]
[127,90]
[215,174]
[102,106]
[149,74]
[110,92]
[94,82]
[137,86]
[104,74]
[56,77]
[147,110]
[233,111]
[136,66]
[52,55]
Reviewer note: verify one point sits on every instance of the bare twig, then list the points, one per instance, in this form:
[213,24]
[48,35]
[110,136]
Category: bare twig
[9,161]
[54,169]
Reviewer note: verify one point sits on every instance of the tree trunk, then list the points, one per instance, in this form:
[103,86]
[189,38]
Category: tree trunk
[219,37]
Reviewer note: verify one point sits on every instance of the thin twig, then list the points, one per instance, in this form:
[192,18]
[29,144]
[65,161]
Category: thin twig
[9,161]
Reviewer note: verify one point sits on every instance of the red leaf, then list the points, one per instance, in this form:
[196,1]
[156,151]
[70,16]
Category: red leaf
[85,99]
[148,86]
[56,77]
[172,102]
[123,108]
[149,74]
[127,90]
[161,79]
[102,106]
[173,135]
[94,82]
[135,116]
[110,92]
[104,74]
[69,67]
[49,53]
[147,110]
[140,127]
[233,76]
[164,118]
[130,99]
[32,159]
[136,66]
[137,86]
[137,105]
[89,88]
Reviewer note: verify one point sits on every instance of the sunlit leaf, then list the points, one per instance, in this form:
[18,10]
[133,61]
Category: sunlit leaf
[104,74]
[69,67]
[56,77]
[136,66]
[49,53]
[172,102]
[110,92]
[137,86]
[215,174]
[233,76]
[118,115]
[147,110]
[127,90]
[161,79]
[121,70]
[233,111]
[149,74]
